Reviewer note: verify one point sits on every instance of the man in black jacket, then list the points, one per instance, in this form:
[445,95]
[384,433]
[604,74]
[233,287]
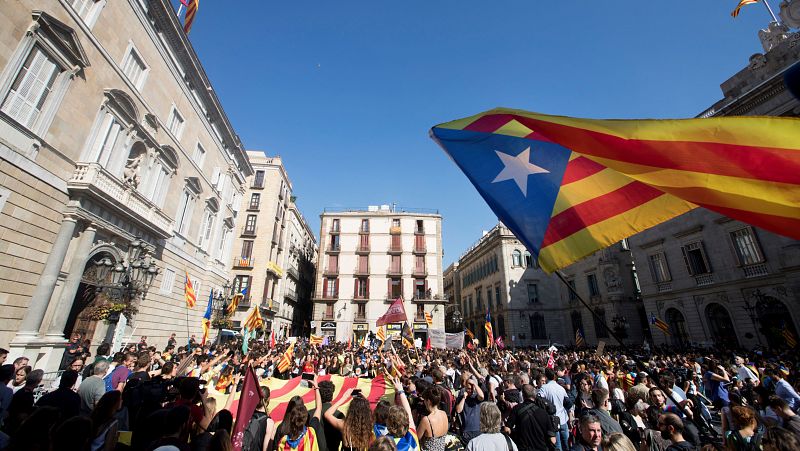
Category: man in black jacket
[530,426]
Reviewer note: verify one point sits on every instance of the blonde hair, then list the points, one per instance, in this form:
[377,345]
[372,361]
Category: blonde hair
[490,418]
[618,442]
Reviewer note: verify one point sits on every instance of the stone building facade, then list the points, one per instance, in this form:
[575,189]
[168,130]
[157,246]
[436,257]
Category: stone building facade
[714,280]
[529,307]
[272,236]
[369,258]
[107,138]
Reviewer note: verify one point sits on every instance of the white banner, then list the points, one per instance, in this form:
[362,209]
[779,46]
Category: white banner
[438,338]
[455,341]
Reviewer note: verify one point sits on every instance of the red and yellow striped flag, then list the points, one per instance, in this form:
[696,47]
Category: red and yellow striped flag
[599,181]
[191,12]
[381,334]
[254,320]
[428,319]
[735,12]
[286,359]
[315,339]
[188,292]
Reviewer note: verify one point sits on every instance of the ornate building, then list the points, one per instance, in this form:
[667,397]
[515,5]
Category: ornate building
[529,307]
[369,258]
[274,263]
[119,171]
[719,281]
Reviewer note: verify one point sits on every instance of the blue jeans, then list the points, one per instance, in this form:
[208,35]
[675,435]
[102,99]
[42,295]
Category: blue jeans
[562,438]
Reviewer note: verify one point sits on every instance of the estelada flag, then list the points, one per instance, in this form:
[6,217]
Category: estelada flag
[188,292]
[248,401]
[488,327]
[395,314]
[207,318]
[568,187]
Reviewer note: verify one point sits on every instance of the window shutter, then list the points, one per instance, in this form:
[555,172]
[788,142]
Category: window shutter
[215,176]
[686,260]
[336,288]
[324,287]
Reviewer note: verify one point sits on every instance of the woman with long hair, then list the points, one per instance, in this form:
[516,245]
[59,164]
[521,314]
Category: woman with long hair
[746,435]
[104,424]
[18,382]
[299,436]
[357,425]
[434,426]
[347,366]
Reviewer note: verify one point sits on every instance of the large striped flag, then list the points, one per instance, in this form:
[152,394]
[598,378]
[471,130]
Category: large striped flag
[428,319]
[286,359]
[661,324]
[488,327]
[207,318]
[252,323]
[787,335]
[188,292]
[568,187]
[735,12]
[281,391]
[191,12]
[235,301]
[315,339]
[579,340]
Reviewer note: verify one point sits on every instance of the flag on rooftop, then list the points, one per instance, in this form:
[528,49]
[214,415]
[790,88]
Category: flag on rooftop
[568,187]
[191,12]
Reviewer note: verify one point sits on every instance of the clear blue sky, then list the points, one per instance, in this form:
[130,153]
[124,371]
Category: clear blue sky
[346,91]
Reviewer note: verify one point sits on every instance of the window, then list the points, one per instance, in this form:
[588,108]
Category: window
[478,299]
[247,249]
[206,228]
[516,258]
[746,246]
[533,293]
[420,316]
[363,264]
[168,281]
[419,264]
[529,260]
[658,268]
[420,288]
[255,201]
[152,171]
[599,323]
[591,281]
[199,156]
[362,288]
[396,244]
[134,68]
[395,288]
[331,288]
[175,123]
[497,297]
[258,181]
[538,328]
[333,263]
[335,225]
[470,308]
[489,296]
[419,243]
[363,242]
[396,267]
[577,322]
[31,88]
[328,310]
[395,222]
[184,216]
[88,10]
[571,293]
[250,225]
[334,242]
[361,311]
[364,226]
[419,228]
[695,258]
[241,283]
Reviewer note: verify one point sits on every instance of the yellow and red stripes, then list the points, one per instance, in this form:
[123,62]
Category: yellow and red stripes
[735,12]
[191,12]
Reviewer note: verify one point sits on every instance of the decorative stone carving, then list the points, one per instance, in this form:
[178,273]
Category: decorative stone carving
[131,174]
[773,35]
[613,281]
[757,61]
[660,306]
[790,13]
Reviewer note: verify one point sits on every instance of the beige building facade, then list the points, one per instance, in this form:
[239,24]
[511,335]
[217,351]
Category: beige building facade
[367,259]
[107,138]
[274,251]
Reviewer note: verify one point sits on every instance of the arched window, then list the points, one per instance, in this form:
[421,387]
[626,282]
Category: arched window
[538,328]
[110,140]
[677,327]
[516,258]
[719,321]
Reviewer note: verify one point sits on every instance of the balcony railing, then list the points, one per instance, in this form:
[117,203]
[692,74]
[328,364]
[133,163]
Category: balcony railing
[362,250]
[292,271]
[243,262]
[664,286]
[250,231]
[333,249]
[756,270]
[257,184]
[394,230]
[274,269]
[91,178]
[361,316]
[392,271]
[290,294]
[419,318]
[420,272]
[420,249]
[391,297]
[703,279]
[254,207]
[331,271]
[244,304]
[395,249]
[328,316]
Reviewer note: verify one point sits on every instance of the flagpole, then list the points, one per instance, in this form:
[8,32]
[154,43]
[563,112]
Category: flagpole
[180,10]
[769,9]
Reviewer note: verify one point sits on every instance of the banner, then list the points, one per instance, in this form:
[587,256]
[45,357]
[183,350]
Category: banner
[395,314]
[455,341]
[437,338]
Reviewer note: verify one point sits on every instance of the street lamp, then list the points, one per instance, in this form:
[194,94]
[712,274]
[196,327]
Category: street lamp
[221,303]
[621,326]
[130,280]
[751,312]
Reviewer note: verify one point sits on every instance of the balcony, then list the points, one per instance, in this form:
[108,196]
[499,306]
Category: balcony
[360,317]
[250,231]
[419,317]
[420,272]
[257,184]
[395,249]
[419,249]
[361,250]
[363,230]
[331,271]
[664,286]
[243,262]
[93,180]
[333,249]
[254,207]
[392,271]
[418,231]
[394,230]
[244,304]
[391,297]
[756,270]
[359,271]
[328,316]
[290,294]
[703,279]
[273,268]
[292,271]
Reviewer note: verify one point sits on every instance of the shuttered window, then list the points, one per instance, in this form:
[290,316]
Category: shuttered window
[31,88]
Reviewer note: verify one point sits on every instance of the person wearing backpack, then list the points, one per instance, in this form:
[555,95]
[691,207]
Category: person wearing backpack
[259,431]
[530,426]
[748,435]
[554,393]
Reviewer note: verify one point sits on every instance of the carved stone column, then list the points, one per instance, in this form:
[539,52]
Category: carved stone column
[77,266]
[29,328]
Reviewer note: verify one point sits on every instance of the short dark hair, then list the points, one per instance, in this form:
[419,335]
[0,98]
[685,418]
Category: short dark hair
[670,419]
[775,402]
[381,411]
[588,418]
[599,396]
[433,395]
[549,374]
[3,351]
[326,389]
[68,379]
[529,391]
[6,372]
[104,349]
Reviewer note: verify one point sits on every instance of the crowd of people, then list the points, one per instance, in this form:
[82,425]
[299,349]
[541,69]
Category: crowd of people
[479,399]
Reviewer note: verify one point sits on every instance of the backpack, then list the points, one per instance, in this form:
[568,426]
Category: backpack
[630,428]
[550,408]
[253,438]
[107,380]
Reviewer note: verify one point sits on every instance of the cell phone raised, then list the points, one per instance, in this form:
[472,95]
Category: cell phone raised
[308,376]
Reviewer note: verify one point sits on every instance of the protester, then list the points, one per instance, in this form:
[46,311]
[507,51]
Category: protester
[530,426]
[553,392]
[590,433]
[303,433]
[93,388]
[602,403]
[779,439]
[746,435]
[357,426]
[433,429]
[618,442]
[64,397]
[22,403]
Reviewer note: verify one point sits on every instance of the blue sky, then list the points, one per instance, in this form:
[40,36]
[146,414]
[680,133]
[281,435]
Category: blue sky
[346,91]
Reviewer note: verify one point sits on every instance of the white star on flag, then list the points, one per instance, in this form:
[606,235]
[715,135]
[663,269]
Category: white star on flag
[518,169]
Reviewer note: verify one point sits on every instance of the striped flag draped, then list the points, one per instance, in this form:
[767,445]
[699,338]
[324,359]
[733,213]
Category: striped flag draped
[735,12]
[568,187]
[286,359]
[658,322]
[188,292]
[787,335]
[488,327]
[428,319]
[191,12]
[579,340]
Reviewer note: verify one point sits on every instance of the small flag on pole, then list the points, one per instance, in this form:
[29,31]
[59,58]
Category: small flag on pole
[407,334]
[660,324]
[188,292]
[191,12]
[499,342]
[488,327]
[469,333]
[272,339]
[551,361]
[579,340]
[739,6]
[428,319]
[207,318]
